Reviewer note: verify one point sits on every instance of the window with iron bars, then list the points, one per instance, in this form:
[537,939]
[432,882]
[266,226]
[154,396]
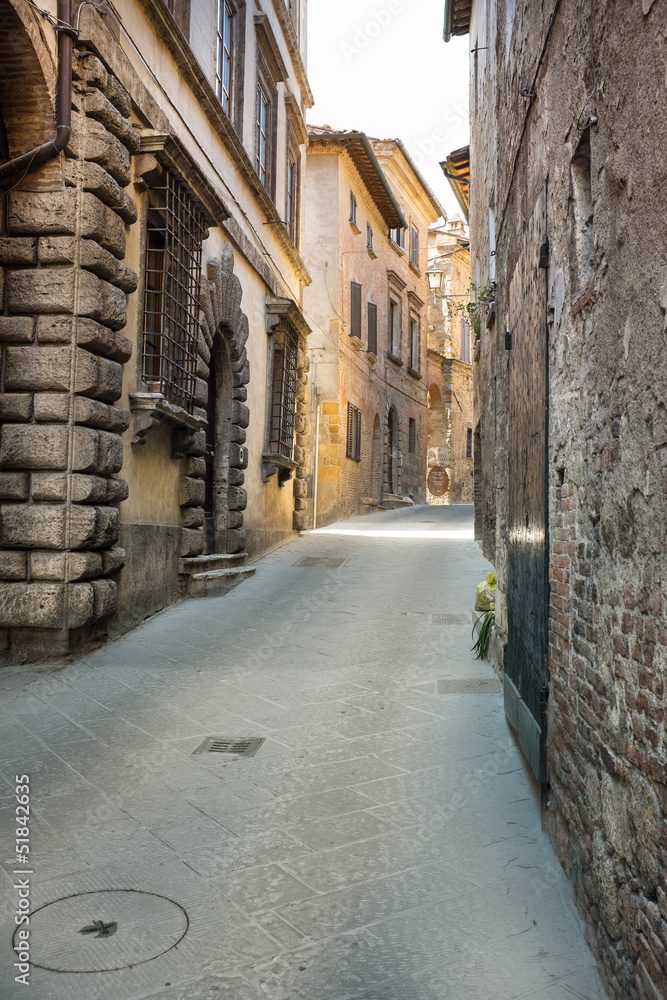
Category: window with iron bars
[283,391]
[175,232]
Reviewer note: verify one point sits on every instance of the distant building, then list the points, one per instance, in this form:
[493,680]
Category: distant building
[450,382]
[154,350]
[367,216]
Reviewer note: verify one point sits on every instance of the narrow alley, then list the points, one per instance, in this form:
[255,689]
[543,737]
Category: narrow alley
[384,842]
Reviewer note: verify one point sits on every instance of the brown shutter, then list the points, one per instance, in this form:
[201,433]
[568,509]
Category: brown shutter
[372,328]
[350,431]
[357,443]
[355,309]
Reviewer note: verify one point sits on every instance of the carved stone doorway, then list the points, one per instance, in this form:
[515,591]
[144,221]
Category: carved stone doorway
[216,457]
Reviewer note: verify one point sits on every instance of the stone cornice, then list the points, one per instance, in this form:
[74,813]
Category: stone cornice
[170,152]
[289,34]
[194,77]
[278,309]
[295,118]
[270,48]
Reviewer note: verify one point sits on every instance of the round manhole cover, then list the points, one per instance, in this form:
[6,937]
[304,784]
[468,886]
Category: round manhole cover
[104,931]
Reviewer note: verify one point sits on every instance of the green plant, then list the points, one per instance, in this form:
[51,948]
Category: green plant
[472,308]
[481,647]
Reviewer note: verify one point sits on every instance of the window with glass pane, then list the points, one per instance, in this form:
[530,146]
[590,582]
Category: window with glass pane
[174,236]
[224,54]
[292,194]
[414,246]
[283,391]
[414,343]
[262,134]
[398,237]
[394,316]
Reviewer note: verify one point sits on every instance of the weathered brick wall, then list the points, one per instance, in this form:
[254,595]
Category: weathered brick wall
[606,746]
[65,297]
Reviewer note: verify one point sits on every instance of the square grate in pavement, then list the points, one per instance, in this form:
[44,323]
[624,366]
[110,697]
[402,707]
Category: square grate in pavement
[219,744]
[319,562]
[450,619]
[467,685]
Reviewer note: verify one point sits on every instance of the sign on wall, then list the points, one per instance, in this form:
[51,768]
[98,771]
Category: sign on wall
[438,481]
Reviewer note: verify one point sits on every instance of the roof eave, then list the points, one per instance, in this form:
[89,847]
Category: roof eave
[457,20]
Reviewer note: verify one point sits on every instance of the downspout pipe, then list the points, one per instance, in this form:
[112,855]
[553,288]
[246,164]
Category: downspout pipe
[40,154]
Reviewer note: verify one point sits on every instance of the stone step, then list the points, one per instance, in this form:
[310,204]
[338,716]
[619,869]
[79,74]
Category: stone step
[391,501]
[217,582]
[216,560]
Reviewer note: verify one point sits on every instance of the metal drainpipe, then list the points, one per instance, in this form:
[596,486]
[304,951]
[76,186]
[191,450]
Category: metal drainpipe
[47,150]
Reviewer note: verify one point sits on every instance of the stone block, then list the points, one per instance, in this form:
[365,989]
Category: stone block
[300,425]
[241,394]
[79,604]
[237,498]
[91,141]
[201,391]
[240,413]
[193,517]
[47,565]
[238,456]
[33,446]
[237,434]
[103,111]
[302,440]
[114,306]
[85,449]
[104,599]
[13,565]
[100,340]
[299,488]
[52,407]
[56,329]
[330,407]
[242,377]
[85,565]
[57,250]
[235,477]
[14,486]
[110,453]
[43,368]
[299,455]
[300,504]
[16,329]
[112,559]
[106,527]
[95,178]
[18,250]
[192,492]
[109,382]
[192,542]
[87,489]
[33,212]
[32,605]
[48,486]
[15,406]
[94,413]
[45,290]
[117,490]
[195,467]
[44,526]
[235,519]
[300,520]
[101,262]
[236,541]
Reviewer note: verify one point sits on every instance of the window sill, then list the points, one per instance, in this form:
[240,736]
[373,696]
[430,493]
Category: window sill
[371,253]
[355,228]
[355,343]
[273,463]
[413,267]
[152,409]
[394,358]
[413,373]
[397,247]
[371,357]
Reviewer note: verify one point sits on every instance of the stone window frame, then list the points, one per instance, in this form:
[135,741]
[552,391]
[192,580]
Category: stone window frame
[416,305]
[414,248]
[270,72]
[180,11]
[281,314]
[234,111]
[396,288]
[293,188]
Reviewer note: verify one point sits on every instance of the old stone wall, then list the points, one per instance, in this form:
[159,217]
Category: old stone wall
[586,127]
[65,301]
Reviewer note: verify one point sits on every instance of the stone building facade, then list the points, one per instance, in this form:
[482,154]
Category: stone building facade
[153,345]
[367,216]
[450,384]
[568,207]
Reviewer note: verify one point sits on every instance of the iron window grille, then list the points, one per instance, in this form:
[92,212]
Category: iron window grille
[372,328]
[174,237]
[224,54]
[353,449]
[283,391]
[353,209]
[414,246]
[412,435]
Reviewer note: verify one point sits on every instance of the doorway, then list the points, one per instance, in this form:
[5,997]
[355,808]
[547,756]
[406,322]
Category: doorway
[216,456]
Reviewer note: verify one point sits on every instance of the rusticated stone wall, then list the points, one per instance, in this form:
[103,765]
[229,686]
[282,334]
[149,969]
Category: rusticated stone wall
[64,305]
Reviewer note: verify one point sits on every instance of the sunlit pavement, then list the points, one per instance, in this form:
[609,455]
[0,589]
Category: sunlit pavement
[384,842]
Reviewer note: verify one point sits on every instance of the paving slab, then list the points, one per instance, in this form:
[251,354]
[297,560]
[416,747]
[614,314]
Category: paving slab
[384,843]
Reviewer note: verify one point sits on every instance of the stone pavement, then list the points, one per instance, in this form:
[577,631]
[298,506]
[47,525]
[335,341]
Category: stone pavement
[383,844]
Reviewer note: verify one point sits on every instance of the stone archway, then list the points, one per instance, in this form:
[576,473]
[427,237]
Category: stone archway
[224,362]
[392,453]
[376,461]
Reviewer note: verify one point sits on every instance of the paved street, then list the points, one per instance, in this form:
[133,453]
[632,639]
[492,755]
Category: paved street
[384,842]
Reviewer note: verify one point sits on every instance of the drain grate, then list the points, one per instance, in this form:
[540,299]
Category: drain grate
[467,685]
[323,562]
[220,744]
[450,619]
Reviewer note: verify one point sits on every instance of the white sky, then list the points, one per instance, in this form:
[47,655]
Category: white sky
[382,67]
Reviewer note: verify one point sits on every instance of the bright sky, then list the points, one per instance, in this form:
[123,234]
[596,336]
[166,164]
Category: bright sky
[382,67]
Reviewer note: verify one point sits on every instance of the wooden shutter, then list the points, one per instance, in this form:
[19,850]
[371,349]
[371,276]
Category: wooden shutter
[372,328]
[357,443]
[355,309]
[350,431]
